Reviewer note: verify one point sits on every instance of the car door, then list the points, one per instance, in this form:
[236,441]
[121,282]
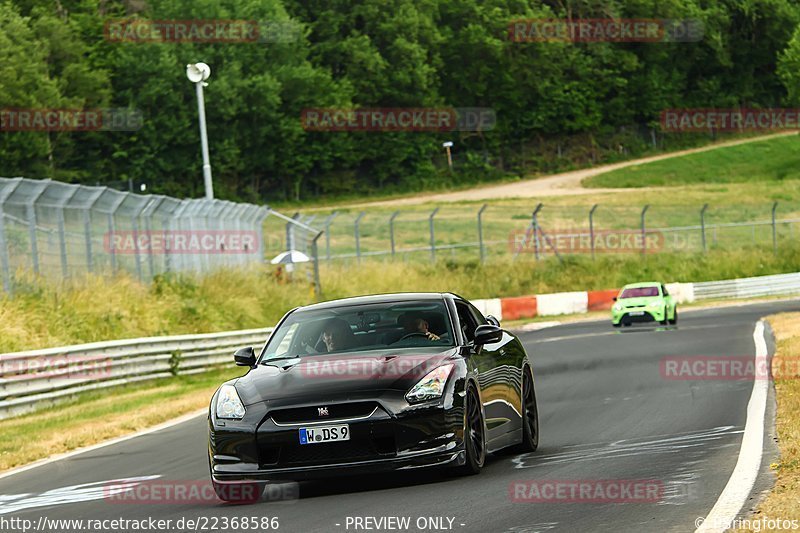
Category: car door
[498,374]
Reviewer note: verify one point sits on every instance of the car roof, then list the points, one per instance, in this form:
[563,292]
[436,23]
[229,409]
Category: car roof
[377,298]
[642,284]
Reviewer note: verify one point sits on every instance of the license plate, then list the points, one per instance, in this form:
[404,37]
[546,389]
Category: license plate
[636,313]
[320,434]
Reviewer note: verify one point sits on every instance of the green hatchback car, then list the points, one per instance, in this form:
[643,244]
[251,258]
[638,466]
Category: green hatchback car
[644,302]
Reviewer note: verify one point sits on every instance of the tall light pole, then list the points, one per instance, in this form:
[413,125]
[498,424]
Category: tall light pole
[198,73]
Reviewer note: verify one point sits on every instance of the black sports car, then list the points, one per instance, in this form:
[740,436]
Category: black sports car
[369,384]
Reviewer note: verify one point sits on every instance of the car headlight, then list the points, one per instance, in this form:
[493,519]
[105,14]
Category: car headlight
[617,307]
[229,405]
[654,304]
[431,386]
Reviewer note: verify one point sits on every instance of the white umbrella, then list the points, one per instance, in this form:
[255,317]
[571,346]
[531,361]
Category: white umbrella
[290,257]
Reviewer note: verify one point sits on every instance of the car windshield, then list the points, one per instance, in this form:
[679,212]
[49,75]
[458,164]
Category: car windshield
[639,292]
[357,328]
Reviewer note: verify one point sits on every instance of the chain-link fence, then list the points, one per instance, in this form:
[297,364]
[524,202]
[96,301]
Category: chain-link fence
[505,231]
[59,230]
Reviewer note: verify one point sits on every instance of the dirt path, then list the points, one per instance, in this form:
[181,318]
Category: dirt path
[567,183]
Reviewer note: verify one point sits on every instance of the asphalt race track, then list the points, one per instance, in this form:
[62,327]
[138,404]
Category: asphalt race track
[606,413]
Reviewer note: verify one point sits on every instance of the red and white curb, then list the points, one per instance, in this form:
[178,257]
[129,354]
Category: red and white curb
[565,303]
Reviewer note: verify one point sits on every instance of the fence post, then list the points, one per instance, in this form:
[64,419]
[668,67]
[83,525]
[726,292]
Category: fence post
[591,228]
[290,232]
[535,224]
[328,234]
[31,212]
[87,236]
[480,232]
[703,225]
[315,253]
[4,254]
[358,237]
[433,236]
[391,230]
[774,229]
[62,242]
[644,231]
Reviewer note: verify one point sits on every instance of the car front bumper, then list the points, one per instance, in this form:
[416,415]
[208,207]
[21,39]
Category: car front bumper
[639,315]
[393,437]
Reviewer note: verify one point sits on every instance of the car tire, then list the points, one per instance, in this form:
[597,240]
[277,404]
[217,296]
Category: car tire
[665,321]
[530,415]
[674,319]
[474,434]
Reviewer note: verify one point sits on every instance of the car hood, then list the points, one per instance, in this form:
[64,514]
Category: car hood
[642,300]
[340,373]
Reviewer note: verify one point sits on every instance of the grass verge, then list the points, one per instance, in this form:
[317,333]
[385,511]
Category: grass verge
[775,159]
[43,315]
[782,501]
[98,416]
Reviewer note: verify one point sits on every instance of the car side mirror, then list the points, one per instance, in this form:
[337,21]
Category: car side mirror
[492,320]
[614,298]
[488,334]
[245,357]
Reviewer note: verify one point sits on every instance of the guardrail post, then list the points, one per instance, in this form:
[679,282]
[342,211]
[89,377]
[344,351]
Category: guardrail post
[644,231]
[391,230]
[591,228]
[356,233]
[703,225]
[328,234]
[480,232]
[433,236]
[774,229]
[4,254]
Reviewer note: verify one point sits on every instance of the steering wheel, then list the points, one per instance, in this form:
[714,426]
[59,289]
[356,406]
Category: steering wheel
[415,334]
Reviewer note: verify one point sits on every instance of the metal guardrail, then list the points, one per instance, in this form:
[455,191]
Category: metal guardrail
[749,287]
[37,378]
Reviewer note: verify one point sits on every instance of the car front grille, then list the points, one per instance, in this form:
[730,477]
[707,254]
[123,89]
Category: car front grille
[299,415]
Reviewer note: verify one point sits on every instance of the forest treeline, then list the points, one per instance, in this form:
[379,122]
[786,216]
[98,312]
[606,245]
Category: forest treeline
[557,104]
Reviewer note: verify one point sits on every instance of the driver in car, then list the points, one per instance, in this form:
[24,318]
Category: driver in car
[418,325]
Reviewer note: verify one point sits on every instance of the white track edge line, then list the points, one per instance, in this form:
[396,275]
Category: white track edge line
[735,494]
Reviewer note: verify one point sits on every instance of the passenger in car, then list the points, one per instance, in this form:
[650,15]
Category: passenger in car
[337,335]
